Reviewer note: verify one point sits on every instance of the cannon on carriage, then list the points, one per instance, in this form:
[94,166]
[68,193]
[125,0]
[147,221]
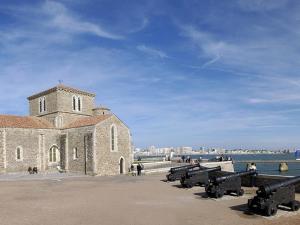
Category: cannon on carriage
[198,177]
[270,196]
[176,173]
[218,186]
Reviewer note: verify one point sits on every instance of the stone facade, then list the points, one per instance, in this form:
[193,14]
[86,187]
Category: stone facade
[33,153]
[106,158]
[90,140]
[59,103]
[2,151]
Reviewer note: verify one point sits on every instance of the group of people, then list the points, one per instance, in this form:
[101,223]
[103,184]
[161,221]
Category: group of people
[32,170]
[139,169]
[186,159]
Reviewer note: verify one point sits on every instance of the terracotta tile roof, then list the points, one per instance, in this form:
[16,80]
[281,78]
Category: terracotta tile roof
[63,88]
[8,121]
[88,121]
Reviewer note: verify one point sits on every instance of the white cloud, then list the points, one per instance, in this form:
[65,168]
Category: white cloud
[210,48]
[142,26]
[62,19]
[152,51]
[266,66]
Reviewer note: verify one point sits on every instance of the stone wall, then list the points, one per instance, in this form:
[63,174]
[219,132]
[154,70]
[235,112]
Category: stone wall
[75,139]
[2,153]
[35,153]
[65,103]
[225,165]
[67,117]
[60,103]
[106,161]
[51,105]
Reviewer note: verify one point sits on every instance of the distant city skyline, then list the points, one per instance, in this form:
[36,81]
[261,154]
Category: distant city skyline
[178,73]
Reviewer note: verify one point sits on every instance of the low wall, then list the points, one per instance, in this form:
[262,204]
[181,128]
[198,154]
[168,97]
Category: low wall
[263,179]
[225,165]
[155,165]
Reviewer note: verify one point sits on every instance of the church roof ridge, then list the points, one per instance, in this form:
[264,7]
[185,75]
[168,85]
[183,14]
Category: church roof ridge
[13,121]
[61,87]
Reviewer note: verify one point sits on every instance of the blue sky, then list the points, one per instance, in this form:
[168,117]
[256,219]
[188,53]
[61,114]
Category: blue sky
[179,73]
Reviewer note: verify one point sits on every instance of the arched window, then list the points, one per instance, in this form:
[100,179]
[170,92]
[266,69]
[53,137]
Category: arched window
[74,103]
[19,154]
[113,138]
[79,104]
[75,153]
[53,154]
[42,104]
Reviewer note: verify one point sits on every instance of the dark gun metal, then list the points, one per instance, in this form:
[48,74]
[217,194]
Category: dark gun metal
[198,177]
[218,186]
[176,173]
[270,196]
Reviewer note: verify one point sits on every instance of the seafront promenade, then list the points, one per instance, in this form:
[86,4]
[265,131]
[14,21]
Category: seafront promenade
[126,200]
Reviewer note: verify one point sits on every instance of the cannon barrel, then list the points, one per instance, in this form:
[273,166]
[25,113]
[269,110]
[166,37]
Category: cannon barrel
[238,174]
[268,188]
[201,170]
[174,169]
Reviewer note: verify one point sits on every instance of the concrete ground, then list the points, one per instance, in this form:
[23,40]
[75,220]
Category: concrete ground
[124,200]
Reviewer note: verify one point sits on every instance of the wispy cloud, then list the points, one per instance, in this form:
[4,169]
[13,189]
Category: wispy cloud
[270,65]
[143,25]
[54,16]
[244,91]
[261,5]
[61,18]
[152,51]
[209,47]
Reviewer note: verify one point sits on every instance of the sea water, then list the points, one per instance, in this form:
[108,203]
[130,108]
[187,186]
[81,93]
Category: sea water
[267,168]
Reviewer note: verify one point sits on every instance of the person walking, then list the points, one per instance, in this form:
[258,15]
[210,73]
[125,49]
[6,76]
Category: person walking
[139,169]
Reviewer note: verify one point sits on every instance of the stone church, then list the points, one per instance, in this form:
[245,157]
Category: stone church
[65,130]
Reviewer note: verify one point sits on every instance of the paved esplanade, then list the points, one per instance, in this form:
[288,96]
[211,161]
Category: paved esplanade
[125,200]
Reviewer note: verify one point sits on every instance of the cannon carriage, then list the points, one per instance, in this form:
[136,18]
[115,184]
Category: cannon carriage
[270,196]
[218,186]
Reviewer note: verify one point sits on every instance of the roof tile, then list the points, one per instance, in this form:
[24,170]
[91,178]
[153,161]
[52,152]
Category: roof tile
[88,121]
[9,121]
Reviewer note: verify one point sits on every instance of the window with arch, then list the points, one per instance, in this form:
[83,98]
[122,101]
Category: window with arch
[53,154]
[113,138]
[42,105]
[19,153]
[74,103]
[77,103]
[75,153]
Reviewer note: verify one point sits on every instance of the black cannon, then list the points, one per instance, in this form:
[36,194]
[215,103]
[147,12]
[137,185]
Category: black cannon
[198,177]
[218,186]
[270,196]
[177,172]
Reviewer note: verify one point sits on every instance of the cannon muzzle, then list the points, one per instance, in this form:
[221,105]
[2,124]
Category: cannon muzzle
[269,188]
